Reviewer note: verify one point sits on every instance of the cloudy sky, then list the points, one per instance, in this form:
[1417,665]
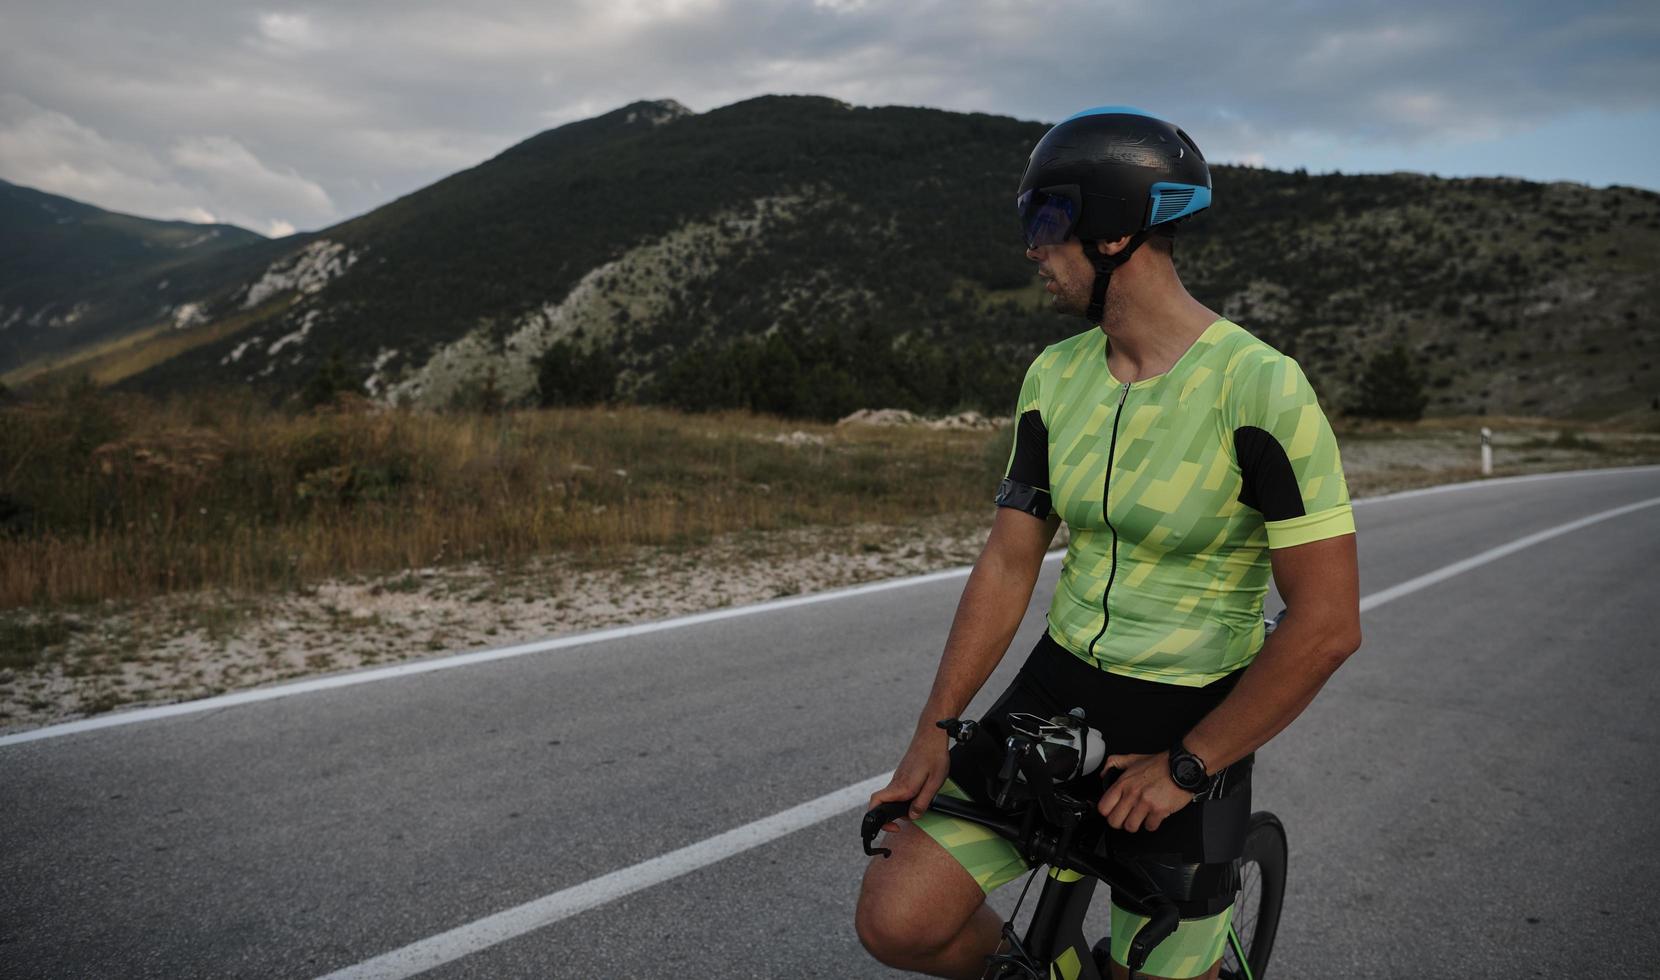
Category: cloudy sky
[278,116]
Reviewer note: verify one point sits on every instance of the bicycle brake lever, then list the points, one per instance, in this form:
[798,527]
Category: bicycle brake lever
[878,818]
[1164,920]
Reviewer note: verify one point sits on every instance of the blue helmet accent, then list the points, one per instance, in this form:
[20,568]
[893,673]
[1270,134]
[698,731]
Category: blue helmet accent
[1171,200]
[1110,110]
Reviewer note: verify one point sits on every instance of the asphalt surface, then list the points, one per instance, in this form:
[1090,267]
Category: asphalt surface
[1474,794]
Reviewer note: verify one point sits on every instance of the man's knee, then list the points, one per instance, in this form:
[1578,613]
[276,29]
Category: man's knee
[912,905]
[902,937]
[888,934]
[899,926]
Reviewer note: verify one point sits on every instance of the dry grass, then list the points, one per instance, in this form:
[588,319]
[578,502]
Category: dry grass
[118,497]
[109,361]
[111,497]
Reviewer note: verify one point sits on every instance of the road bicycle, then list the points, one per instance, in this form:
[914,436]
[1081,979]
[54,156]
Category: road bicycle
[1068,835]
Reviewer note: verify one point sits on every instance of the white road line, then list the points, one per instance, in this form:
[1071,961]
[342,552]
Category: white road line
[474,936]
[452,661]
[470,938]
[1412,585]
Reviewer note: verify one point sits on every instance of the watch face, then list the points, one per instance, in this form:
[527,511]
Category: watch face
[1187,771]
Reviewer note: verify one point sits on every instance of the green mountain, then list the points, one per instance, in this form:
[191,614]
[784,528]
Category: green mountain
[803,256]
[67,270]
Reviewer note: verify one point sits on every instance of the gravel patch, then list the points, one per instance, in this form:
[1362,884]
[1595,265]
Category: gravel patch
[183,647]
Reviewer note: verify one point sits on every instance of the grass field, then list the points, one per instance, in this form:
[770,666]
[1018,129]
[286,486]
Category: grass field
[115,497]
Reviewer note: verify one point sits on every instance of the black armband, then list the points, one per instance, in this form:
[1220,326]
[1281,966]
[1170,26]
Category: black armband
[1024,498]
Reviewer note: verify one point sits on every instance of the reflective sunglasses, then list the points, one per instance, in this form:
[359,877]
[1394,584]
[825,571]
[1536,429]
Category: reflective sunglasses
[1048,214]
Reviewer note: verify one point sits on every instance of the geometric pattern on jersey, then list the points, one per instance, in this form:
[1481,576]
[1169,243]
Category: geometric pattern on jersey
[1167,569]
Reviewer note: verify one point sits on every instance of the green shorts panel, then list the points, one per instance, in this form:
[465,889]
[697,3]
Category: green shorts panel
[1188,952]
[993,861]
[989,857]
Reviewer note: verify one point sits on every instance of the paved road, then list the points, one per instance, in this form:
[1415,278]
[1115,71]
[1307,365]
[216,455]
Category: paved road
[1475,793]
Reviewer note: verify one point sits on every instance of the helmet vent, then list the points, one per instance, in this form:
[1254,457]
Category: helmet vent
[1168,204]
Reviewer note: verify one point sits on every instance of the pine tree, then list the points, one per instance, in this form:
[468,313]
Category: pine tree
[1392,387]
[332,378]
[567,375]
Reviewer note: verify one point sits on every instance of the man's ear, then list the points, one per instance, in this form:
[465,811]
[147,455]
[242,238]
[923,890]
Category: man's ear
[1113,247]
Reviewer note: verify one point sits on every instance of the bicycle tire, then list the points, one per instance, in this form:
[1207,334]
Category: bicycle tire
[1262,890]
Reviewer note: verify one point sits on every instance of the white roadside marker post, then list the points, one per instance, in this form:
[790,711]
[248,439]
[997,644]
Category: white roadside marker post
[1486,451]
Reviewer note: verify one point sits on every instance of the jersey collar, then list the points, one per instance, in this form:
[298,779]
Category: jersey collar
[1183,363]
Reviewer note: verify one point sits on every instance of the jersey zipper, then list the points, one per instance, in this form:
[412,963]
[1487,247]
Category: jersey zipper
[1106,499]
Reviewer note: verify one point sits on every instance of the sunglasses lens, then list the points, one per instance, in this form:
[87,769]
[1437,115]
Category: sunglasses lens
[1047,218]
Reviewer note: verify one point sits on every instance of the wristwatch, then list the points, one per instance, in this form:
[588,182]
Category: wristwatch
[1188,770]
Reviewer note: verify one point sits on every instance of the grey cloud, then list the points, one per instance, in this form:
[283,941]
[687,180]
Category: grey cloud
[369,100]
[196,178]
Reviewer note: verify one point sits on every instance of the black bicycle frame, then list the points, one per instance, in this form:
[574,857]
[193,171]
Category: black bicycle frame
[1056,932]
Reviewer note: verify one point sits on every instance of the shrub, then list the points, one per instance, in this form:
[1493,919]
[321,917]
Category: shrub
[333,378]
[1392,387]
[568,375]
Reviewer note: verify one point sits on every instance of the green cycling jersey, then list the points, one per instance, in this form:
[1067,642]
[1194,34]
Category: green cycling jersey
[1174,488]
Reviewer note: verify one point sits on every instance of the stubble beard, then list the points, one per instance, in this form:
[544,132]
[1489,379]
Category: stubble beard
[1073,301]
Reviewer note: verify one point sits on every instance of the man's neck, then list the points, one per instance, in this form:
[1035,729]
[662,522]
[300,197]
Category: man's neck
[1149,330]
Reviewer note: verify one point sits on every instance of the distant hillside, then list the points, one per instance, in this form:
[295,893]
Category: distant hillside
[63,265]
[803,256]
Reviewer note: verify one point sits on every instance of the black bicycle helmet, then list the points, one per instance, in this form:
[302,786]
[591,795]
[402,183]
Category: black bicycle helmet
[1105,173]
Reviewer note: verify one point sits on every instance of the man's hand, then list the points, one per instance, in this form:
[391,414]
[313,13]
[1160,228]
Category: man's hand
[1143,795]
[919,775]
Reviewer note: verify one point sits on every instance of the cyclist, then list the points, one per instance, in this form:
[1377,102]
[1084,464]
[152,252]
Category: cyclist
[1190,460]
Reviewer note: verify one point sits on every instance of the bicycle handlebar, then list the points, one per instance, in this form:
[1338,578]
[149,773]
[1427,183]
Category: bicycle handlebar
[1044,830]
[1045,826]
[1042,841]
[1163,922]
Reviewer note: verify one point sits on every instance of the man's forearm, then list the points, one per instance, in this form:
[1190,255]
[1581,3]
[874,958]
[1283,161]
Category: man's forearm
[1295,662]
[993,603]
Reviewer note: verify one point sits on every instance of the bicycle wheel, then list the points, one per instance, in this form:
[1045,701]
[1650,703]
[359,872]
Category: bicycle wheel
[1256,912]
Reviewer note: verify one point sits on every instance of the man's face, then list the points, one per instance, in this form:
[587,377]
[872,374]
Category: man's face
[1068,276]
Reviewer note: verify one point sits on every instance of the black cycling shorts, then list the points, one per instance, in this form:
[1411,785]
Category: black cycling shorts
[1197,844]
